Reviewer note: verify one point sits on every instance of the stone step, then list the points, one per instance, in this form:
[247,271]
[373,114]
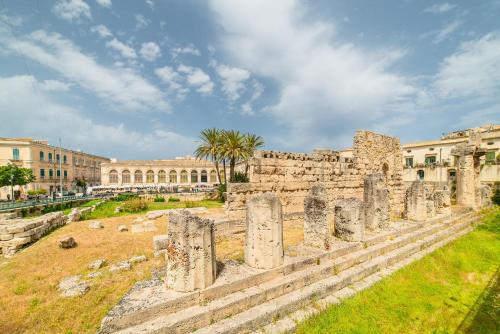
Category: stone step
[342,285]
[288,323]
[201,315]
[159,306]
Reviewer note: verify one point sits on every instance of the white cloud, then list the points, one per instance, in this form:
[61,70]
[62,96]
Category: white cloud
[121,88]
[190,49]
[125,50]
[196,77]
[174,81]
[247,107]
[140,21]
[150,51]
[324,85]
[12,20]
[55,86]
[104,3]
[473,70]
[150,3]
[447,30]
[233,80]
[439,8]
[72,10]
[36,113]
[102,30]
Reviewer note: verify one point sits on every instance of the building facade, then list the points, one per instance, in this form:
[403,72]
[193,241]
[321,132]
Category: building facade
[433,161]
[183,171]
[51,165]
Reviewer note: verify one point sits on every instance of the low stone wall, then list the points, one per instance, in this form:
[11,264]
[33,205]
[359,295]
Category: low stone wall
[17,233]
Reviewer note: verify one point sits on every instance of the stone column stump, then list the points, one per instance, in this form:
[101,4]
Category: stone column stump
[442,201]
[376,199]
[315,218]
[349,220]
[190,252]
[416,201]
[264,232]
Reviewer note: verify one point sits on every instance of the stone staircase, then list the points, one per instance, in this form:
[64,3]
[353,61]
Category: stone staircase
[273,300]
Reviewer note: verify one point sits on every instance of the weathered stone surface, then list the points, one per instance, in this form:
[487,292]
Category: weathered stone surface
[486,194]
[122,228]
[416,201]
[190,252]
[67,242]
[315,218]
[73,286]
[442,201]
[96,225]
[349,216]
[8,215]
[376,201]
[144,226]
[137,259]
[97,264]
[74,215]
[120,266]
[160,242]
[264,232]
[118,209]
[156,214]
[94,274]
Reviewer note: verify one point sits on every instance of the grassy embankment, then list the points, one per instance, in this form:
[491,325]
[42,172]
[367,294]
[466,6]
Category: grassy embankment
[452,290]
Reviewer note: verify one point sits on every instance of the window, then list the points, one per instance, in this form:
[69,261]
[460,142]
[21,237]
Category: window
[15,154]
[42,156]
[113,177]
[162,177]
[58,173]
[430,159]
[138,176]
[51,173]
[194,176]
[50,157]
[184,176]
[452,174]
[420,174]
[58,158]
[65,174]
[150,176]
[409,161]
[125,177]
[204,176]
[65,159]
[431,149]
[42,173]
[490,157]
[213,176]
[172,176]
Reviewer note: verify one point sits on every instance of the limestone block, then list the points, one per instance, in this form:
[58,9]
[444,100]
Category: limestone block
[486,194]
[264,232]
[122,228]
[442,201]
[431,210]
[97,264]
[67,242]
[349,219]
[376,201]
[73,286]
[96,225]
[160,242]
[137,259]
[416,201]
[120,266]
[315,218]
[190,252]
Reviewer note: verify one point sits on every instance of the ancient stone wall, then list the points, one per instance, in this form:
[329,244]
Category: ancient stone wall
[291,175]
[17,233]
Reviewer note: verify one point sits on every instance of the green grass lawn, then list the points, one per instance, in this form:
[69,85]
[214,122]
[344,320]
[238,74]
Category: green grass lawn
[107,209]
[455,289]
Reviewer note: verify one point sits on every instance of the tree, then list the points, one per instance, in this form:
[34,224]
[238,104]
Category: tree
[251,142]
[234,149]
[210,148]
[81,183]
[11,175]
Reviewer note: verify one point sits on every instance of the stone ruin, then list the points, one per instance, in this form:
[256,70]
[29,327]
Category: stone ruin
[292,175]
[376,201]
[425,200]
[264,232]
[316,231]
[349,220]
[190,254]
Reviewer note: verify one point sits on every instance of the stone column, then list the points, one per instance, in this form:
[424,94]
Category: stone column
[349,220]
[442,201]
[315,218]
[416,201]
[190,252]
[264,232]
[376,200]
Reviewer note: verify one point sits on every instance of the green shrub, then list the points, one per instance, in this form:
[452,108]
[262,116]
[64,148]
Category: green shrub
[173,199]
[189,204]
[125,197]
[135,205]
[221,190]
[158,199]
[240,177]
[496,195]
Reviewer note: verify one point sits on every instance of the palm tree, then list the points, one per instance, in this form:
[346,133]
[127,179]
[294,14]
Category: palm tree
[210,148]
[251,142]
[234,149]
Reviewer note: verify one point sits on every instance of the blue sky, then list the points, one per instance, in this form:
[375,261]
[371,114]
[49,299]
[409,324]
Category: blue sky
[139,79]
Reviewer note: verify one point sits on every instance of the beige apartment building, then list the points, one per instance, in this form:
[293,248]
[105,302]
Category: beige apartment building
[50,165]
[432,160]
